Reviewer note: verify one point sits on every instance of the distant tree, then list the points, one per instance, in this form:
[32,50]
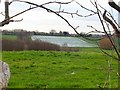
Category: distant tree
[103,16]
[60,33]
[65,33]
[52,32]
[23,35]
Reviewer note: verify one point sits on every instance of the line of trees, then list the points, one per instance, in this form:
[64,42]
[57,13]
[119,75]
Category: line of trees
[51,33]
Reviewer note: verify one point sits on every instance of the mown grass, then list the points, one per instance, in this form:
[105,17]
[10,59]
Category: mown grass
[52,69]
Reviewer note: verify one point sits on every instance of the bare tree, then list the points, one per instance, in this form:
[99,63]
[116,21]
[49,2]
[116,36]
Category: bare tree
[106,19]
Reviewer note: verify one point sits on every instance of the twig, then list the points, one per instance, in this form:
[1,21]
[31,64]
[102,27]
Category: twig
[108,54]
[23,12]
[100,87]
[2,14]
[6,21]
[49,10]
[107,33]
[109,14]
[110,21]
[95,29]
[85,8]
[108,75]
[56,2]
[76,13]
[114,5]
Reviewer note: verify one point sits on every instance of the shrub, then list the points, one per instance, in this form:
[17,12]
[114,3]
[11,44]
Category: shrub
[105,43]
[70,49]
[12,45]
[40,45]
[19,45]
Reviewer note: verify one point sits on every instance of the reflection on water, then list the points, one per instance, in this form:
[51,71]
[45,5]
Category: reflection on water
[64,41]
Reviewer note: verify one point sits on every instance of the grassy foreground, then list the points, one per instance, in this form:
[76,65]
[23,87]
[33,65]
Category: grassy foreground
[51,69]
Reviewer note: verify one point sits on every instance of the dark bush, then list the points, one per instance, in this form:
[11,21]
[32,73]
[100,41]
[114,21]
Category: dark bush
[105,44]
[19,45]
[12,45]
[40,45]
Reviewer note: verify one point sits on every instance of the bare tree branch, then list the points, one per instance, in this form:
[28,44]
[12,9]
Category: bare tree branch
[4,22]
[2,14]
[110,21]
[109,54]
[85,8]
[49,10]
[108,75]
[95,30]
[114,5]
[56,2]
[107,33]
[109,14]
[75,13]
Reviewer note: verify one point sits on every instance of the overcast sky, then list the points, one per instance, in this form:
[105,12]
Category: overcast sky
[40,20]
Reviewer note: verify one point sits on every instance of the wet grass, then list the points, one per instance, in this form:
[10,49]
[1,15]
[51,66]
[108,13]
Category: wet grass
[52,69]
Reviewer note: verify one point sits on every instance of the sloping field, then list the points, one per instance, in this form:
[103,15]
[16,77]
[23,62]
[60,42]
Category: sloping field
[64,41]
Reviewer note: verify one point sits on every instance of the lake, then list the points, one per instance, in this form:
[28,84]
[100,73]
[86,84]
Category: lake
[64,41]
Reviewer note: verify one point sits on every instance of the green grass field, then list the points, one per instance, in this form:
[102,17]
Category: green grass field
[11,37]
[39,69]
